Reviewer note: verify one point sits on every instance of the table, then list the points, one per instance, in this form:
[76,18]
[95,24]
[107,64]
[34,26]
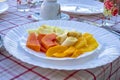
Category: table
[13,69]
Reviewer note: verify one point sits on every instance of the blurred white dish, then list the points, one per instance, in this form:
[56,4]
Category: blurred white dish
[3,7]
[12,38]
[82,9]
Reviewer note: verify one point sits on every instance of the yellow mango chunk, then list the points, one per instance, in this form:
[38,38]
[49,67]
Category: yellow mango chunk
[82,42]
[76,53]
[87,35]
[67,53]
[88,48]
[55,49]
[86,43]
[91,43]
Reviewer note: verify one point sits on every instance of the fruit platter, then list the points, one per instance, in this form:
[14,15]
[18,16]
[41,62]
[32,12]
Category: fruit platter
[54,42]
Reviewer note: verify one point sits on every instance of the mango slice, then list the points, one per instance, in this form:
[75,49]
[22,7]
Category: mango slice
[55,49]
[67,53]
[76,53]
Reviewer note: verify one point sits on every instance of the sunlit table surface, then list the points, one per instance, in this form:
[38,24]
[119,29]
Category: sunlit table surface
[14,69]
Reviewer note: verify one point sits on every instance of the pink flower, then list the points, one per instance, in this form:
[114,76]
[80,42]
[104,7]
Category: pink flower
[114,11]
[108,4]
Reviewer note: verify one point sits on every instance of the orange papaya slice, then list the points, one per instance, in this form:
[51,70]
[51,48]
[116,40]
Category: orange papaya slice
[40,36]
[32,42]
[49,40]
[42,48]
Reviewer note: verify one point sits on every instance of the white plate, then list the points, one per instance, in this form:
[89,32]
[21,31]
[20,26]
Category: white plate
[3,7]
[37,16]
[43,56]
[12,38]
[82,9]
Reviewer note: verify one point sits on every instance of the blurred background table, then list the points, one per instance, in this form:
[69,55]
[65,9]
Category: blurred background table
[13,69]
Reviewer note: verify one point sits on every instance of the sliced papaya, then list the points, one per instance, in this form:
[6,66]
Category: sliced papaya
[32,42]
[49,40]
[40,36]
[42,48]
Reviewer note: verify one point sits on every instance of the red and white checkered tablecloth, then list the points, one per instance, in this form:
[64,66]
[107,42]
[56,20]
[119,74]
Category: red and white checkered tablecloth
[13,69]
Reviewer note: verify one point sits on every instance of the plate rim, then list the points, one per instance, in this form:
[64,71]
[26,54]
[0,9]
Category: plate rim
[5,9]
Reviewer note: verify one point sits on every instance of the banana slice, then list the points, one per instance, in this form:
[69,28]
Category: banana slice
[69,41]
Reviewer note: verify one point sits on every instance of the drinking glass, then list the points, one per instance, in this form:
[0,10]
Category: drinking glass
[23,5]
[110,12]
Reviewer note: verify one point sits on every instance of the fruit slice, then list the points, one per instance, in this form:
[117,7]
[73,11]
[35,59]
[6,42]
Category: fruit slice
[40,36]
[82,42]
[32,42]
[55,49]
[42,48]
[76,53]
[49,40]
[67,53]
